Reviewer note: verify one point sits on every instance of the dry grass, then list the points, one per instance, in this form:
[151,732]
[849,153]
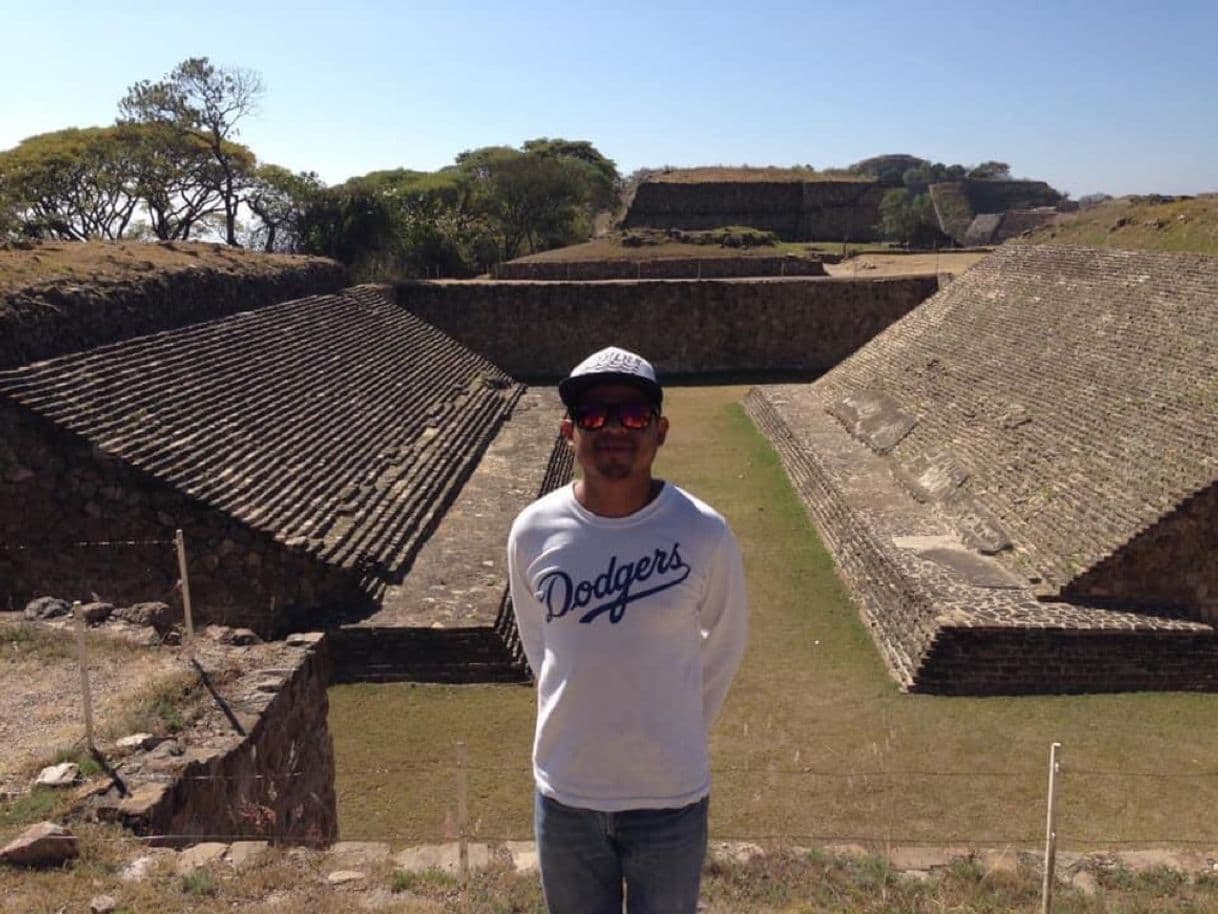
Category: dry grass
[122,261]
[815,742]
[1128,223]
[743,173]
[792,882]
[134,689]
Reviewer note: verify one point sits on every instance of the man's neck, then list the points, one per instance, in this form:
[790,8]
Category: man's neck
[616,498]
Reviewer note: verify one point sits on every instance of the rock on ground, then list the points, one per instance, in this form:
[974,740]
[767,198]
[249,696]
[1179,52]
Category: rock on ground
[62,775]
[43,844]
[47,608]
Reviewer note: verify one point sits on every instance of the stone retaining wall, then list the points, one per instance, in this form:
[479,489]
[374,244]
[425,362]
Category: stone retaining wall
[56,318]
[1013,661]
[661,268]
[537,331]
[794,210]
[901,620]
[274,780]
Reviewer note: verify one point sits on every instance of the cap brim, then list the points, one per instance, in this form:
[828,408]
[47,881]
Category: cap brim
[572,390]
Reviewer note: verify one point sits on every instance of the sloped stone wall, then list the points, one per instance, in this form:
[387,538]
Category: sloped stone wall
[270,775]
[56,490]
[1173,563]
[537,331]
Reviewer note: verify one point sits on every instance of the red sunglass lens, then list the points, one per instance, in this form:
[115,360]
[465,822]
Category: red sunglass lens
[634,415]
[593,416]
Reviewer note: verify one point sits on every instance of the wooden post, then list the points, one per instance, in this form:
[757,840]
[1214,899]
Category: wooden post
[462,814]
[185,578]
[1046,901]
[82,654]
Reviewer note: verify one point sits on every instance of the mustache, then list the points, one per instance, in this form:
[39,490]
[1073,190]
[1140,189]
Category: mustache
[620,444]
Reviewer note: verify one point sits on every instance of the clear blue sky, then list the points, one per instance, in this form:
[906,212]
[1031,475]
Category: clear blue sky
[1120,97]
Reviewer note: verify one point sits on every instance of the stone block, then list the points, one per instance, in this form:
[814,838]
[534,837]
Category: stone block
[96,613]
[352,854]
[523,855]
[345,877]
[927,858]
[444,857]
[245,853]
[192,858]
[62,775]
[46,608]
[40,845]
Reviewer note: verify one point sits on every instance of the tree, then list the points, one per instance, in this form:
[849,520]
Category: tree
[71,184]
[887,169]
[534,199]
[995,171]
[177,178]
[349,224]
[905,216]
[279,199]
[604,182]
[205,102]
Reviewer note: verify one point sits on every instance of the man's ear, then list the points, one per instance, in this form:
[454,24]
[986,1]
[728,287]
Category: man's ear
[661,430]
[567,430]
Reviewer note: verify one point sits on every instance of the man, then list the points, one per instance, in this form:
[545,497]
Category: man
[630,601]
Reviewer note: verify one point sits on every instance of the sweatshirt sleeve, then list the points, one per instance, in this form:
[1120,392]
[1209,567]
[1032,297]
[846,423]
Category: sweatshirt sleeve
[527,609]
[724,623]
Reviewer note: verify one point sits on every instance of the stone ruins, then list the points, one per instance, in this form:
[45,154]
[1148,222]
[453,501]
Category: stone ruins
[983,212]
[307,450]
[1017,476]
[1020,478]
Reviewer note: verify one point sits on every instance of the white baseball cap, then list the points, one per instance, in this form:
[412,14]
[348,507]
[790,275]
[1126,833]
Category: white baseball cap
[610,366]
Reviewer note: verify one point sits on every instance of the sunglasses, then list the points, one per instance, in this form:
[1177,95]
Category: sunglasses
[591,416]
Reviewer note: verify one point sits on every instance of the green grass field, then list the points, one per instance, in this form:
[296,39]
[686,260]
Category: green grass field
[816,743]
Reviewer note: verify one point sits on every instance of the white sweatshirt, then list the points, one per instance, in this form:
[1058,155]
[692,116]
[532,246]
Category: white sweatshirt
[634,627]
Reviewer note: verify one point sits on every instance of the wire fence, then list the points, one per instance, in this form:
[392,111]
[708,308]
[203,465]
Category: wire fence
[86,572]
[1038,792]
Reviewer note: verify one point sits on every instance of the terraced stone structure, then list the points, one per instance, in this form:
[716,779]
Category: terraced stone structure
[795,210]
[1020,478]
[307,449]
[980,212]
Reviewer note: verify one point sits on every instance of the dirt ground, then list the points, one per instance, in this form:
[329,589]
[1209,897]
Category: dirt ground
[40,696]
[905,264]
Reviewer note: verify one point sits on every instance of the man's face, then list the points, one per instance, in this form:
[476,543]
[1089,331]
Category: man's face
[614,452]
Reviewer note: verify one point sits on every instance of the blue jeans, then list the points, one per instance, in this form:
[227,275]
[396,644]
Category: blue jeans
[586,856]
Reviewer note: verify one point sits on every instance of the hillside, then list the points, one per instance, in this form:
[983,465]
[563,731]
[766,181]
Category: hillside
[1140,223]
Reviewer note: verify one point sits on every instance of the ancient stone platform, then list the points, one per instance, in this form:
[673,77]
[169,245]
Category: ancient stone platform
[946,618]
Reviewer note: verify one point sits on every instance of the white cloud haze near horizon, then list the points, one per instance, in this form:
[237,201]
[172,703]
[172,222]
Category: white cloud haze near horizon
[1091,97]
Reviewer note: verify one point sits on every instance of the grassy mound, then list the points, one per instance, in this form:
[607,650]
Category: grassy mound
[1141,224]
[31,263]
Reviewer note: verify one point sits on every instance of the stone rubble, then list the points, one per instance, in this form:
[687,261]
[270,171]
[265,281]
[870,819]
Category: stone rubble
[64,774]
[44,844]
